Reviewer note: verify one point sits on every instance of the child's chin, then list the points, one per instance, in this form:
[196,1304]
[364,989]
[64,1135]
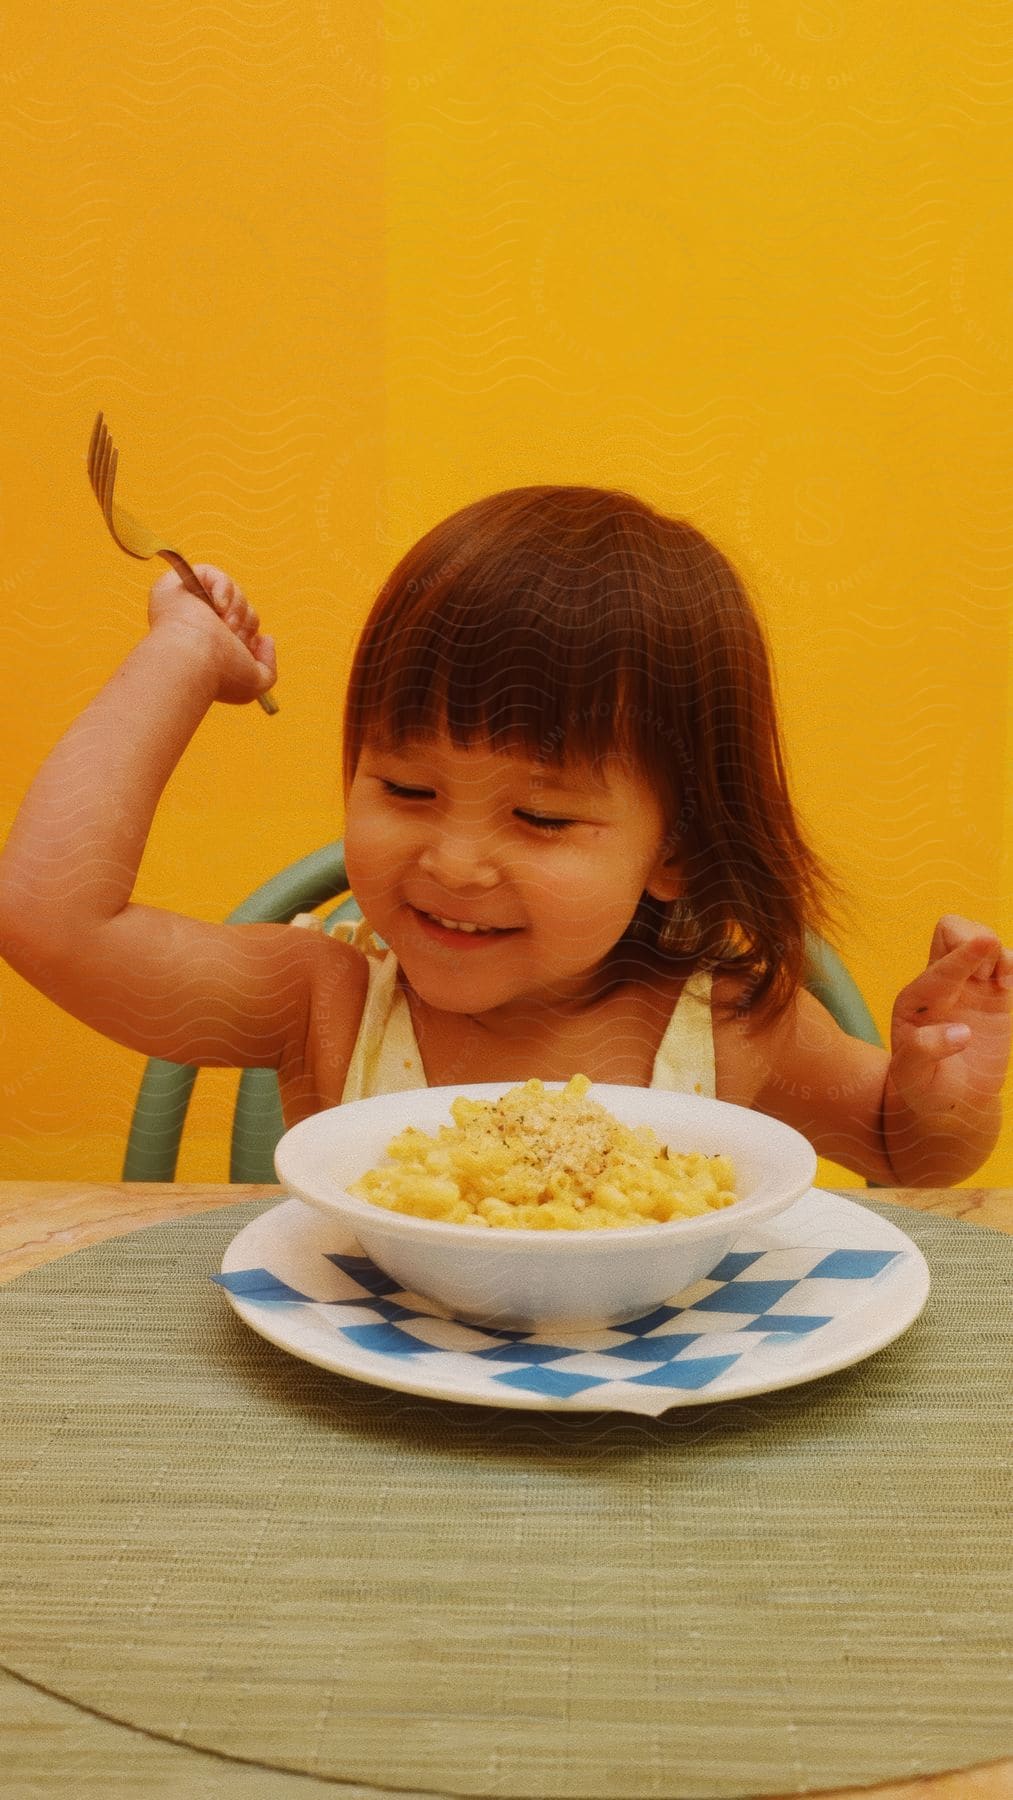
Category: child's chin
[451,981]
[451,996]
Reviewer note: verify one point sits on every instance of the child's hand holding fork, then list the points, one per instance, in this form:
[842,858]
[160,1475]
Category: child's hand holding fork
[246,660]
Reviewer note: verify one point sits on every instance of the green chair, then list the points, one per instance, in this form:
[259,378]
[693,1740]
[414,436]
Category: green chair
[160,1112]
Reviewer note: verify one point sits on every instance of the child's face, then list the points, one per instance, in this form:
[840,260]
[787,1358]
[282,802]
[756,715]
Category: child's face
[464,843]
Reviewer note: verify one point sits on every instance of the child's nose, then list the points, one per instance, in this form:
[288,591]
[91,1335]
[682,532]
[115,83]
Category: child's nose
[459,859]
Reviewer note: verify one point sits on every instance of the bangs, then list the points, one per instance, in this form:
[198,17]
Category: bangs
[499,675]
[538,646]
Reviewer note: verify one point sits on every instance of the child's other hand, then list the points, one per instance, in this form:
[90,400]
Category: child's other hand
[966,989]
[246,660]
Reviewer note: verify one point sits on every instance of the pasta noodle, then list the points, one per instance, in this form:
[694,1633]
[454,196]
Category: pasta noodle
[544,1161]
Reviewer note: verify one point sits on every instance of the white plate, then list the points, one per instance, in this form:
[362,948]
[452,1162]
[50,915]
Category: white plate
[838,1282]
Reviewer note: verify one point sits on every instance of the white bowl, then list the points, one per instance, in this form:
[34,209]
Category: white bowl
[524,1278]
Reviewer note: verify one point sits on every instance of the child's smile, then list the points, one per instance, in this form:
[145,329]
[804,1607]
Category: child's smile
[442,928]
[500,882]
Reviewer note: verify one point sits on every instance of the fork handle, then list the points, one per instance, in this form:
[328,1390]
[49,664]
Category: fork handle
[193,584]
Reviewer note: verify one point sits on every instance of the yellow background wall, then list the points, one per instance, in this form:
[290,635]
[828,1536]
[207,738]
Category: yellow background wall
[332,272]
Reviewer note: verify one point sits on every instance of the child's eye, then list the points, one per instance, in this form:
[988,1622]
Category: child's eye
[543,823]
[406,793]
[539,820]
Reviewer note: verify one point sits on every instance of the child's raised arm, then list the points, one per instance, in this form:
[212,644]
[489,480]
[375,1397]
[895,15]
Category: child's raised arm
[928,1113]
[153,980]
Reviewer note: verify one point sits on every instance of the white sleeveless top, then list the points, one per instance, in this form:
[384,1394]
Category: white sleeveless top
[386,1056]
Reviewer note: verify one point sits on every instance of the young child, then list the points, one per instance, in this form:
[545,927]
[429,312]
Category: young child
[568,828]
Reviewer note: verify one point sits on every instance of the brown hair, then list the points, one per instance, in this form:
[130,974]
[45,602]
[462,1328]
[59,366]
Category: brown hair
[578,622]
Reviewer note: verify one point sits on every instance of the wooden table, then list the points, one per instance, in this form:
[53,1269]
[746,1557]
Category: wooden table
[40,1221]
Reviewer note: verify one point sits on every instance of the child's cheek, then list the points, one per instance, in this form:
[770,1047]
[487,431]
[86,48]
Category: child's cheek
[360,849]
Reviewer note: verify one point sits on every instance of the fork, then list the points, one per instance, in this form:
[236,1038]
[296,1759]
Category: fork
[130,534]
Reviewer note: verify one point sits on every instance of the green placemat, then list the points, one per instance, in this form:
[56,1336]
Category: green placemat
[51,1748]
[232,1549]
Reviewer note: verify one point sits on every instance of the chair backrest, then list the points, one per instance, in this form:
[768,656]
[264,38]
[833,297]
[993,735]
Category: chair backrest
[160,1112]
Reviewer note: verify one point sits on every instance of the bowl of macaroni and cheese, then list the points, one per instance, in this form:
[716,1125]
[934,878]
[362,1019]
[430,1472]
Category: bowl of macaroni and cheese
[535,1204]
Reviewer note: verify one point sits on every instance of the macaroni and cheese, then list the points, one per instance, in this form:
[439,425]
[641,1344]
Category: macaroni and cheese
[544,1161]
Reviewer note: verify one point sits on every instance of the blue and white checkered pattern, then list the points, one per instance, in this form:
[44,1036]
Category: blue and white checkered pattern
[756,1300]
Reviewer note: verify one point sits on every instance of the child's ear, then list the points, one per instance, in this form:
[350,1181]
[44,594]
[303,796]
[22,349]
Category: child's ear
[666,880]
